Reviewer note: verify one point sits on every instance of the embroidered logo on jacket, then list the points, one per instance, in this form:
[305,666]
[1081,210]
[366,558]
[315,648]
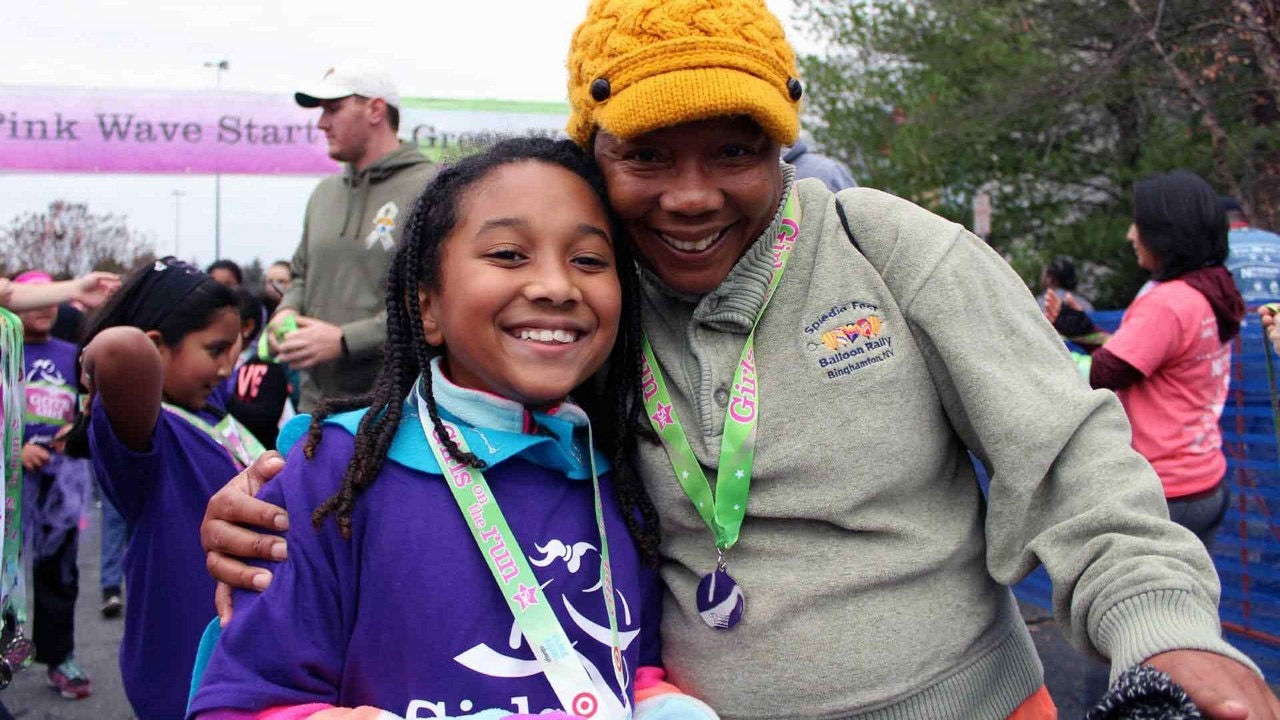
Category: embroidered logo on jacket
[384,223]
[847,338]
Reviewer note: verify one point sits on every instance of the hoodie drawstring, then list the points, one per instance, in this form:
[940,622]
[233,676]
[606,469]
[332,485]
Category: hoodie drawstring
[353,186]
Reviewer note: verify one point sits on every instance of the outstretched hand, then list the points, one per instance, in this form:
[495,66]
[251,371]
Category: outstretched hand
[93,289]
[1222,688]
[226,542]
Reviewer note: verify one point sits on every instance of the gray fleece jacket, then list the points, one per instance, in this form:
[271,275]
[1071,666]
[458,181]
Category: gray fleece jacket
[874,572]
[349,238]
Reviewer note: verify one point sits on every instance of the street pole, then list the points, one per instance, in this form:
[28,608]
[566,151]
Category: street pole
[218,66]
[177,223]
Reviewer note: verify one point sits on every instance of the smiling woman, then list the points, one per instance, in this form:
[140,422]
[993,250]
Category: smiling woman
[693,196]
[831,358]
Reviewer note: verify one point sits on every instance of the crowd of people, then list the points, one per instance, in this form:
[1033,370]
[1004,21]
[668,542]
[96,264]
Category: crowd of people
[518,372]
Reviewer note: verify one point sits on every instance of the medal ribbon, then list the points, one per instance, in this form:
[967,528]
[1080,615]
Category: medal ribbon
[14,407]
[519,586]
[724,509]
[233,437]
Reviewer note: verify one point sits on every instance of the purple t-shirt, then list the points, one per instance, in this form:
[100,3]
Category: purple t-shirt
[405,616]
[51,388]
[162,495]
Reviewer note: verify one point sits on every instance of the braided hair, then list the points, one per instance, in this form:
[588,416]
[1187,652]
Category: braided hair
[611,397]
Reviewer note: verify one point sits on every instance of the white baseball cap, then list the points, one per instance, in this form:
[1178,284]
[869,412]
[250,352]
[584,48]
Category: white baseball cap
[353,77]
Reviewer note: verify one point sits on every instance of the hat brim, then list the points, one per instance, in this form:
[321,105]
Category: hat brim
[690,95]
[312,97]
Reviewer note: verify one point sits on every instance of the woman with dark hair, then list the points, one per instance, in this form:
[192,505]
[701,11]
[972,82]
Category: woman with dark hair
[1170,359]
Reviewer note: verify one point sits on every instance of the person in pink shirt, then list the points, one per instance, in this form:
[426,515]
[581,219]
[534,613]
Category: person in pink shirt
[1170,359]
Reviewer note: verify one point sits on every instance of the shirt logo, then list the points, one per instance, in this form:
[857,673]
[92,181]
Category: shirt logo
[847,338]
[510,656]
[384,223]
[45,371]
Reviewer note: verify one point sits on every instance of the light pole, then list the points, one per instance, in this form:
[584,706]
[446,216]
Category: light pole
[177,223]
[218,67]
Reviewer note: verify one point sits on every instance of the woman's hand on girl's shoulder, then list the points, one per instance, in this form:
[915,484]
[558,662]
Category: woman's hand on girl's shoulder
[226,542]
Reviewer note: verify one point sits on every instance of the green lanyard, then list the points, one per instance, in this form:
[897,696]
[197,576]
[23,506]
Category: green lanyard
[519,586]
[723,510]
[14,404]
[233,437]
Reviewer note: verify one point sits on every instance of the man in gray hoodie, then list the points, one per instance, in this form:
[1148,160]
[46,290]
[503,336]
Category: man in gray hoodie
[349,236]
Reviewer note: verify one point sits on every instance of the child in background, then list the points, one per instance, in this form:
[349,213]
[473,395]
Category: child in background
[258,390]
[457,546]
[91,290]
[55,494]
[162,443]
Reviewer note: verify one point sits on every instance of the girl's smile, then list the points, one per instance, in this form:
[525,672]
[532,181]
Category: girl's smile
[528,297]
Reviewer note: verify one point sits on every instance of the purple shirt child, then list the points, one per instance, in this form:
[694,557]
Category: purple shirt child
[54,496]
[406,616]
[51,392]
[162,495]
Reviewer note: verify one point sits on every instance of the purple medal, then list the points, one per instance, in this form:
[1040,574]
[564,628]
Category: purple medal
[720,600]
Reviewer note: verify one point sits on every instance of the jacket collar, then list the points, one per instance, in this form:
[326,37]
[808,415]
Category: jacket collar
[492,426]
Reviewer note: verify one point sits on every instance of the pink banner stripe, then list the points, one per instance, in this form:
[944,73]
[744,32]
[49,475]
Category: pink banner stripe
[159,132]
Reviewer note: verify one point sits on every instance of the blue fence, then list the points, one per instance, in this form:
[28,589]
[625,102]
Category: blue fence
[1247,550]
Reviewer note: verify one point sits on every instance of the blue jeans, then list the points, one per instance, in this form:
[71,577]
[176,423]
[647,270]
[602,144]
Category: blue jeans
[114,535]
[1202,513]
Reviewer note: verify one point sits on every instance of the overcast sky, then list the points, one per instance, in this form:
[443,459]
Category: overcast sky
[506,49]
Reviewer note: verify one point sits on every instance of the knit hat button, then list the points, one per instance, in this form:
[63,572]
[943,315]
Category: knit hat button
[793,87]
[600,90]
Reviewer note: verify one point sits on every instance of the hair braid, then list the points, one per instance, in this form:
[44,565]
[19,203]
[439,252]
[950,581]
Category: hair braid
[385,402]
[423,353]
[623,385]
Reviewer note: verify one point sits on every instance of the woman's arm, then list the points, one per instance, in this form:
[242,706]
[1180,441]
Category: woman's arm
[122,367]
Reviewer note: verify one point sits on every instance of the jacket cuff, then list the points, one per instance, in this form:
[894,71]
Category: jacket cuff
[1150,623]
[292,299]
[365,337]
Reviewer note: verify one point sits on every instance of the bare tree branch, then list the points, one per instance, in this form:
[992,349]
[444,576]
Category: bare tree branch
[1217,136]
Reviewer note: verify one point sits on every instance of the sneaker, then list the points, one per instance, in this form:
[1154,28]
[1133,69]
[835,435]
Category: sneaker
[112,603]
[71,681]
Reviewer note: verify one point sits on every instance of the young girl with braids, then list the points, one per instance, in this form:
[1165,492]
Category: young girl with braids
[162,443]
[458,547]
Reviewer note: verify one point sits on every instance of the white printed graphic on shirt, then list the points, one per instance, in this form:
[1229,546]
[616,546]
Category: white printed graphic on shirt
[486,660]
[44,370]
[50,399]
[384,223]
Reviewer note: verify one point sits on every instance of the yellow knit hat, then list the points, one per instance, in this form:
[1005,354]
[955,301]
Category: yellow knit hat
[640,65]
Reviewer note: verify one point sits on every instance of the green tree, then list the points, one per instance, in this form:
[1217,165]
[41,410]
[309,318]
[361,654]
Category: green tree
[254,274]
[1054,108]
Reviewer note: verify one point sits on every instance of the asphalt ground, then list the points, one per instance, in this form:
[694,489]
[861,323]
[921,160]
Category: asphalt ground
[1074,681]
